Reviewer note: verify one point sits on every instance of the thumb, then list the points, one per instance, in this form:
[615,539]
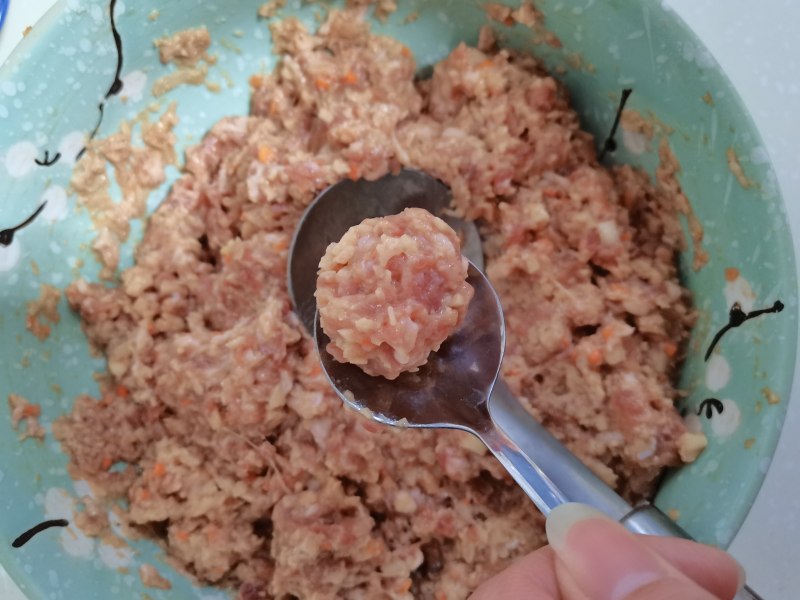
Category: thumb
[671,588]
[598,559]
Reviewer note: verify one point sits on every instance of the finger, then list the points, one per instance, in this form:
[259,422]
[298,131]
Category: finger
[597,558]
[671,589]
[532,577]
[709,567]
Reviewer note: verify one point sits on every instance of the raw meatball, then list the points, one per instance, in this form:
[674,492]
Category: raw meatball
[391,291]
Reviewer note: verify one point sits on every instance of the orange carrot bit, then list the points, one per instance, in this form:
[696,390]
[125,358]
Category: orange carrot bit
[281,244]
[618,288]
[159,470]
[626,236]
[183,536]
[440,595]
[273,106]
[595,358]
[31,410]
[185,402]
[355,172]
[374,547]
[122,391]
[406,51]
[731,274]
[322,84]
[486,64]
[670,349]
[212,533]
[107,462]
[143,495]
[350,78]
[256,81]
[264,154]
[404,586]
[316,368]
[607,332]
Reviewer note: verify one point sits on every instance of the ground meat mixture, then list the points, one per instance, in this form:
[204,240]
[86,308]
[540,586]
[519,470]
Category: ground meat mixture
[45,307]
[242,463]
[93,519]
[185,48]
[271,8]
[152,578]
[391,291]
[138,170]
[27,413]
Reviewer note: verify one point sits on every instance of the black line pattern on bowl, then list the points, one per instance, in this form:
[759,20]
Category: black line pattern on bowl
[610,144]
[709,406]
[47,161]
[114,89]
[737,317]
[7,235]
[116,85]
[28,535]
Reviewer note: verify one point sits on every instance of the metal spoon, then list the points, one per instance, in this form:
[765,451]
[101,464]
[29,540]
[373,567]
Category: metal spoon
[459,387]
[464,399]
[484,406]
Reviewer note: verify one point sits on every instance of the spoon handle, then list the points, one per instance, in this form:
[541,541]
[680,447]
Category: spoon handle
[571,480]
[526,473]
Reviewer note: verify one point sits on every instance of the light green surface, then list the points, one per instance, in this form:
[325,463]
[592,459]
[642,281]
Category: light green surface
[74,57]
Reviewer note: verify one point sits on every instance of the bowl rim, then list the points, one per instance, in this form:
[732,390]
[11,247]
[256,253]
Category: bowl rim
[783,375]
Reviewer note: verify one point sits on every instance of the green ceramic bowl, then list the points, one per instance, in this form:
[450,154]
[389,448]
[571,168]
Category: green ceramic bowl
[49,93]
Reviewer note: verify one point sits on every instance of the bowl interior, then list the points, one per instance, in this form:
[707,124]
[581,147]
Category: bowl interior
[49,93]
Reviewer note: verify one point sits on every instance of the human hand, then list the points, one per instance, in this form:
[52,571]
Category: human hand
[591,557]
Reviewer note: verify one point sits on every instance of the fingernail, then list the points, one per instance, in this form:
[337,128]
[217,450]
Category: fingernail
[563,517]
[604,560]
[742,577]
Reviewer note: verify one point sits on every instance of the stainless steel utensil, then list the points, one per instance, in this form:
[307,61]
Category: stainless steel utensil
[459,388]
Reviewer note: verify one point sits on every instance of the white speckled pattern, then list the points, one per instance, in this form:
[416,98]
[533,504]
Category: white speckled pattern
[761,55]
[760,51]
